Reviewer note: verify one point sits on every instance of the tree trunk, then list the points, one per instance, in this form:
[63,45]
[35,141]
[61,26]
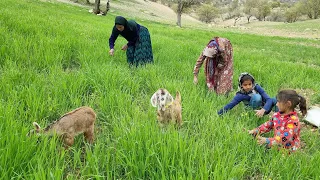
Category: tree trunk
[96,7]
[179,12]
[179,19]
[236,19]
[248,17]
[315,15]
[107,7]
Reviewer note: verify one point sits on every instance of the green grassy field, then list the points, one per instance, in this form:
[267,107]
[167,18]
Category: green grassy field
[54,58]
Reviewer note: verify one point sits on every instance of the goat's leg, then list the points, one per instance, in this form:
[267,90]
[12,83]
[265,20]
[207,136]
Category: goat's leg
[68,140]
[179,119]
[89,135]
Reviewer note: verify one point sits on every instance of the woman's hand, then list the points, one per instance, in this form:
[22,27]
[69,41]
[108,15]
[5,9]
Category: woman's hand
[220,66]
[111,52]
[261,140]
[195,80]
[260,112]
[125,47]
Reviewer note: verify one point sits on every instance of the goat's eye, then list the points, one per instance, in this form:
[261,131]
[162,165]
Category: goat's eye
[162,99]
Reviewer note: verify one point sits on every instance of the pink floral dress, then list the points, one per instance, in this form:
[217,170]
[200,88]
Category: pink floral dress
[218,58]
[286,130]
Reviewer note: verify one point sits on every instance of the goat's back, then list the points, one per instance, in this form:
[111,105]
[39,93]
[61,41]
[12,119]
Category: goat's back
[75,122]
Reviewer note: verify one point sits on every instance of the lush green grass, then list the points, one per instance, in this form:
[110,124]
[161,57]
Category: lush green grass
[54,58]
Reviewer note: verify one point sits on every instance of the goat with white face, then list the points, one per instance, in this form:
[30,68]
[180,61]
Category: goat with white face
[169,110]
[71,124]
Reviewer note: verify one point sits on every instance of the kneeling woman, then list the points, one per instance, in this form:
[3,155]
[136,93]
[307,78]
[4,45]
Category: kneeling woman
[139,49]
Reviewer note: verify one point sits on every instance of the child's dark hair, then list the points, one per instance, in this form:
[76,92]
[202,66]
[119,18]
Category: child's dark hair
[295,98]
[246,78]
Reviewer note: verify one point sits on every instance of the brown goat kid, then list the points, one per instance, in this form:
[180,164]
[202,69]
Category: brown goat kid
[71,124]
[169,110]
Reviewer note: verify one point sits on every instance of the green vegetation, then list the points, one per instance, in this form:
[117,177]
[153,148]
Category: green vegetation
[54,58]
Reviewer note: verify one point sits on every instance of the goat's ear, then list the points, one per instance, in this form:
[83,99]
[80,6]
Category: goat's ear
[169,98]
[154,99]
[36,127]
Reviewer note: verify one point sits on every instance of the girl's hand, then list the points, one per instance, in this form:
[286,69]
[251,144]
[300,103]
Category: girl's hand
[260,112]
[261,140]
[125,47]
[195,80]
[111,52]
[252,132]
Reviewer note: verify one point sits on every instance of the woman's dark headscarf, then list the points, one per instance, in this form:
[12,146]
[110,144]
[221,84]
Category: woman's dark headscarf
[128,25]
[121,21]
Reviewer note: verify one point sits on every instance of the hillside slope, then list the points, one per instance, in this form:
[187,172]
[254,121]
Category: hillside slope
[151,11]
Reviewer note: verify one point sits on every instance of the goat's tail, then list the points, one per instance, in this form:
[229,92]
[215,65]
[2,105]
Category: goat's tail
[178,97]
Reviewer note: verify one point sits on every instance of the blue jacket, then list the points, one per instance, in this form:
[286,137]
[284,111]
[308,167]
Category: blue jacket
[266,100]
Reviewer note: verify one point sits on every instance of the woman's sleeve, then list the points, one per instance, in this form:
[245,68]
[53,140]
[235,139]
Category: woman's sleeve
[198,64]
[113,37]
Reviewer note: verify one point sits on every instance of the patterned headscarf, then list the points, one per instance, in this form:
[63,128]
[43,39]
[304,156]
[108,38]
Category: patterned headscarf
[211,49]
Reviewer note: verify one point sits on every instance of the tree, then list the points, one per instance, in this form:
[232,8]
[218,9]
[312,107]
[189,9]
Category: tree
[234,11]
[311,8]
[275,4]
[96,9]
[107,7]
[181,7]
[249,8]
[264,10]
[292,14]
[207,13]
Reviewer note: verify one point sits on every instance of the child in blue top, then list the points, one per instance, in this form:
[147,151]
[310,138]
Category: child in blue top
[252,95]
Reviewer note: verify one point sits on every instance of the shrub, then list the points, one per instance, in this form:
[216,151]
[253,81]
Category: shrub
[207,13]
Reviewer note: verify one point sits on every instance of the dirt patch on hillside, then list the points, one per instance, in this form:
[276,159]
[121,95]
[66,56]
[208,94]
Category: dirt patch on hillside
[266,28]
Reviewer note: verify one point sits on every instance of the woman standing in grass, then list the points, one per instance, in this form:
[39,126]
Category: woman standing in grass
[218,58]
[139,49]
[285,123]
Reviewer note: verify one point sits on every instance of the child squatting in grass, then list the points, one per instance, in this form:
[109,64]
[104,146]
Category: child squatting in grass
[252,95]
[285,123]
